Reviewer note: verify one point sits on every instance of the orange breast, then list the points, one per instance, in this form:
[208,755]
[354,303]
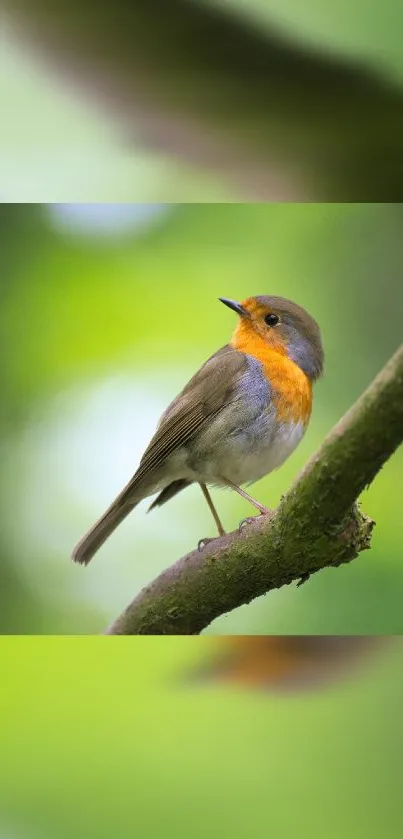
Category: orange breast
[291,387]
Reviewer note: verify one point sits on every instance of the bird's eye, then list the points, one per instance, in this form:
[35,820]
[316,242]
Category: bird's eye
[271,320]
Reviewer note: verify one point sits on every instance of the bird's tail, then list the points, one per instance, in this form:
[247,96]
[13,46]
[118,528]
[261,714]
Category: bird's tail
[101,530]
[121,507]
[169,492]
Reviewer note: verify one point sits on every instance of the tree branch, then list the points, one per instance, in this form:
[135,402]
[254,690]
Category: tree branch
[280,120]
[317,524]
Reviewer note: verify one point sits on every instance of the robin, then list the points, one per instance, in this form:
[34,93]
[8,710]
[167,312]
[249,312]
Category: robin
[241,415]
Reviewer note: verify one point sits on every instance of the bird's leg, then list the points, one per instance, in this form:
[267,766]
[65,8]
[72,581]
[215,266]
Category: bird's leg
[260,507]
[262,510]
[215,515]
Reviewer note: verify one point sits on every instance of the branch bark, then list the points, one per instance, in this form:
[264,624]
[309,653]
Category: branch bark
[279,120]
[317,524]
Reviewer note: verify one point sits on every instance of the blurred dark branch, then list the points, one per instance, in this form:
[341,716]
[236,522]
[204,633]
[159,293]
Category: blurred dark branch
[277,119]
[318,524]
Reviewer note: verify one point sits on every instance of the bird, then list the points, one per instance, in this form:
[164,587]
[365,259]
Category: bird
[238,418]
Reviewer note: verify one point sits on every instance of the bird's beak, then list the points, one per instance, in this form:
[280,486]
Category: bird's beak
[232,304]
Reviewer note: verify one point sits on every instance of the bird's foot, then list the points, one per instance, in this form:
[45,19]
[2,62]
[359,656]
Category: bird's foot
[250,519]
[203,542]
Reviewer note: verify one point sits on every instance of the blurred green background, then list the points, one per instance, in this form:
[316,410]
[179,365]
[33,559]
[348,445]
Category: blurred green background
[106,311]
[99,739]
[339,26]
[59,142]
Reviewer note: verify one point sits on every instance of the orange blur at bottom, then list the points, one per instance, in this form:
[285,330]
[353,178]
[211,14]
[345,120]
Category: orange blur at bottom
[285,663]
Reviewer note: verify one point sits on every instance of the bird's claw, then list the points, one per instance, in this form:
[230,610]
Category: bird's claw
[203,542]
[248,520]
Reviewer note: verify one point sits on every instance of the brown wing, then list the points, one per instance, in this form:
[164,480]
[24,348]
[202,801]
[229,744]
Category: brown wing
[201,399]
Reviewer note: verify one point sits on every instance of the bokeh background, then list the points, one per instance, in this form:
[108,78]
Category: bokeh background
[105,737]
[106,311]
[193,100]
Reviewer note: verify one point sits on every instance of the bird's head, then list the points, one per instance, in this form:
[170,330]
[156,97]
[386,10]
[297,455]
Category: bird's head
[282,325]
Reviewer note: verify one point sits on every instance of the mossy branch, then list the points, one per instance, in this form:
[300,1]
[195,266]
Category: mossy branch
[318,524]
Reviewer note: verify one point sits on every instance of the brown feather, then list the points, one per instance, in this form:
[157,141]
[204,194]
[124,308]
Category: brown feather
[168,493]
[202,398]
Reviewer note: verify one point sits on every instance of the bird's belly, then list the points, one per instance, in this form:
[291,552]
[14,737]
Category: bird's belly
[249,454]
[252,459]
[247,439]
